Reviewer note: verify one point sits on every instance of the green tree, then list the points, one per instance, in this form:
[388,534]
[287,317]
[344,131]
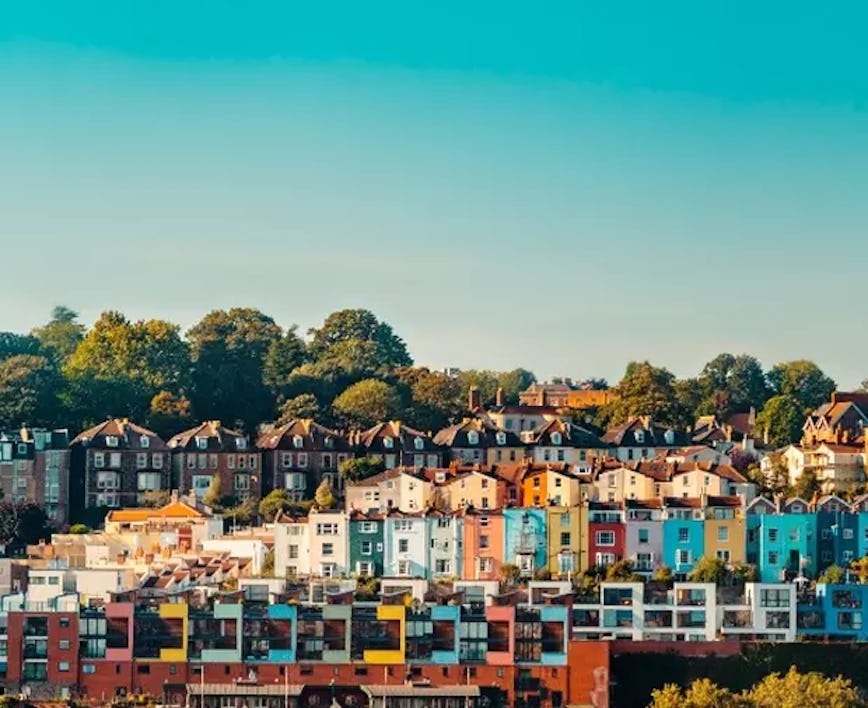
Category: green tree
[781,420]
[284,355]
[274,504]
[485,381]
[12,344]
[60,336]
[169,413]
[361,326]
[29,388]
[807,485]
[513,383]
[622,571]
[79,529]
[155,499]
[299,408]
[833,575]
[774,481]
[268,565]
[435,398]
[709,570]
[214,494]
[510,573]
[662,574]
[22,523]
[644,390]
[368,402]
[702,693]
[732,384]
[229,350]
[810,690]
[803,381]
[324,497]
[358,468]
[689,399]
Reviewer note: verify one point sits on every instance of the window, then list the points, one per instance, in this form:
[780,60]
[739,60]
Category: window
[501,438]
[297,442]
[418,443]
[483,521]
[388,443]
[723,555]
[367,547]
[848,534]
[403,545]
[107,480]
[565,518]
[63,644]
[202,462]
[191,462]
[565,538]
[486,565]
[202,443]
[111,441]
[557,439]
[605,538]
[88,668]
[773,558]
[643,535]
[368,527]
[328,549]
[201,482]
[483,542]
[558,482]
[403,567]
[149,481]
[115,459]
[682,556]
[640,436]
[826,534]
[242,482]
[293,552]
[98,459]
[157,461]
[230,462]
[683,535]
[327,462]
[560,455]
[144,441]
[773,535]
[302,459]
[442,567]
[403,525]
[212,461]
[63,666]
[722,533]
[286,459]
[141,461]
[473,438]
[326,529]
[365,568]
[566,563]
[240,443]
[774,598]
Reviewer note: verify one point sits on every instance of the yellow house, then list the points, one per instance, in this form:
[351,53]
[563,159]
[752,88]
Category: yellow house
[554,484]
[618,482]
[724,529]
[567,539]
[474,488]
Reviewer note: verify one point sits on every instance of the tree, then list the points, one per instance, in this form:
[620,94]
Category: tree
[22,523]
[214,493]
[709,570]
[155,499]
[644,390]
[662,574]
[484,381]
[510,573]
[29,387]
[79,529]
[803,381]
[268,565]
[229,349]
[284,355]
[324,497]
[860,567]
[689,400]
[781,420]
[274,504]
[435,398]
[702,693]
[622,571]
[744,573]
[807,485]
[12,344]
[368,402]
[299,408]
[360,325]
[810,690]
[169,413]
[513,383]
[741,460]
[60,336]
[732,384]
[833,575]
[774,481]
[358,468]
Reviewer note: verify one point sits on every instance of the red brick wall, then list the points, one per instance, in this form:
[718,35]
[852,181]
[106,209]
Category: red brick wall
[589,673]
[730,648]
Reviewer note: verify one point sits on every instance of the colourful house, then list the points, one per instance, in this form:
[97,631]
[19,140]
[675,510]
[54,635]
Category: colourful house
[683,534]
[525,542]
[483,546]
[834,612]
[366,543]
[567,539]
[606,533]
[643,532]
[725,529]
[781,542]
[837,529]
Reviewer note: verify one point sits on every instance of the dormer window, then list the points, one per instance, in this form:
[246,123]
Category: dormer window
[419,443]
[501,438]
[111,441]
[240,443]
[473,438]
[640,436]
[388,443]
[202,443]
[297,442]
[329,443]
[557,439]
[144,441]
[669,437]
[440,477]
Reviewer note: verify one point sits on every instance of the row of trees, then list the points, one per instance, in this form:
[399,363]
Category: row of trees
[241,367]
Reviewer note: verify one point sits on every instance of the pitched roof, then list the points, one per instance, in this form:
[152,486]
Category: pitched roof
[120,428]
[313,436]
[654,434]
[172,510]
[373,438]
[571,435]
[213,430]
[457,435]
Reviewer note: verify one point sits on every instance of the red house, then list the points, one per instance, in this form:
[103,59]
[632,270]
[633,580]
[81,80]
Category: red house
[606,533]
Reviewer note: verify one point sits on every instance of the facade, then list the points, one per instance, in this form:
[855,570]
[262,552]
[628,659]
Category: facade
[396,489]
[725,529]
[643,534]
[470,488]
[781,542]
[483,544]
[552,484]
[211,450]
[299,455]
[641,438]
[114,464]
[606,534]
[366,534]
[561,441]
[474,441]
[34,465]
[398,445]
[525,539]
[328,549]
[568,545]
[683,534]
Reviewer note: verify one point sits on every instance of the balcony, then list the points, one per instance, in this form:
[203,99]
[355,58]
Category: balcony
[619,596]
[691,598]
[586,618]
[846,599]
[658,619]
[691,620]
[737,619]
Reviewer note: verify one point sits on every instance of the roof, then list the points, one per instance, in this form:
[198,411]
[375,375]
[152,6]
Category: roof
[654,434]
[173,510]
[373,438]
[571,435]
[120,428]
[457,435]
[387,475]
[313,435]
[218,436]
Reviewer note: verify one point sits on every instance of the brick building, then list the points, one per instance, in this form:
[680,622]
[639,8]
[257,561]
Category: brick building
[34,465]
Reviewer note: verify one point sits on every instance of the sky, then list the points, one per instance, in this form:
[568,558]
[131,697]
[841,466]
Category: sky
[560,186]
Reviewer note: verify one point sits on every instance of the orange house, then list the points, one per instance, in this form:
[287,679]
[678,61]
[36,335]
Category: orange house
[483,545]
[552,483]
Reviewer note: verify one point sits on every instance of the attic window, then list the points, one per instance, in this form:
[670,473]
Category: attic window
[557,439]
[202,443]
[640,436]
[669,437]
[240,443]
[419,443]
[473,438]
[501,438]
[144,441]
[388,443]
[297,442]
[329,443]
[111,441]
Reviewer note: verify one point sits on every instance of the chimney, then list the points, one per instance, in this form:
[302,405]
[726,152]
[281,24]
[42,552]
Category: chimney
[727,429]
[474,398]
[174,496]
[498,397]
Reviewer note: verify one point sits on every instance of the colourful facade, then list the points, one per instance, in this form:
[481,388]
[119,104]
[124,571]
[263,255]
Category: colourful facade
[567,540]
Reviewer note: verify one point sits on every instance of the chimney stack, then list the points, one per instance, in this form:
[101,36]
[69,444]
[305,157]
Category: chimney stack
[474,401]
[498,397]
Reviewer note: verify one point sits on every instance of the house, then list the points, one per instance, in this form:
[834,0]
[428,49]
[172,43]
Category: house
[34,465]
[697,453]
[640,438]
[725,529]
[398,445]
[554,394]
[115,464]
[476,441]
[366,543]
[470,488]
[567,539]
[781,539]
[521,419]
[837,466]
[683,534]
[445,533]
[525,540]
[212,450]
[834,612]
[399,488]
[562,441]
[837,529]
[299,455]
[292,544]
[483,544]
[737,429]
[841,420]
[328,534]
[606,533]
[643,534]
[552,484]
[405,545]
[697,478]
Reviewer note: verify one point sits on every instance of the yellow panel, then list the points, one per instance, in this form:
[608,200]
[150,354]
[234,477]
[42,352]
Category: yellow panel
[176,611]
[391,612]
[385,656]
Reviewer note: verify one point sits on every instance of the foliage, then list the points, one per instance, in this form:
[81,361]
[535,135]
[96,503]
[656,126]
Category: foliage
[12,344]
[240,513]
[702,693]
[803,381]
[662,574]
[732,384]
[772,482]
[510,573]
[22,523]
[741,460]
[435,398]
[781,420]
[214,493]
[807,485]
[358,468]
[28,391]
[169,413]
[324,497]
[622,571]
[79,529]
[298,408]
[274,503]
[860,568]
[644,390]
[542,574]
[268,565]
[367,402]
[60,336]
[360,326]
[833,575]
[156,499]
[228,350]
[745,573]
[709,570]
[284,355]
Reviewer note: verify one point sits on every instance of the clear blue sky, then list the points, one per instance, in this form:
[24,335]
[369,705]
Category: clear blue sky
[562,186]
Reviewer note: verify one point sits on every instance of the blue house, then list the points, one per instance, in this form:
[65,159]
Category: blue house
[525,540]
[833,611]
[781,543]
[860,508]
[837,533]
[683,534]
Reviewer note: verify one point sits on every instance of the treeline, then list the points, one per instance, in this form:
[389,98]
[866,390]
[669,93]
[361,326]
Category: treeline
[241,367]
